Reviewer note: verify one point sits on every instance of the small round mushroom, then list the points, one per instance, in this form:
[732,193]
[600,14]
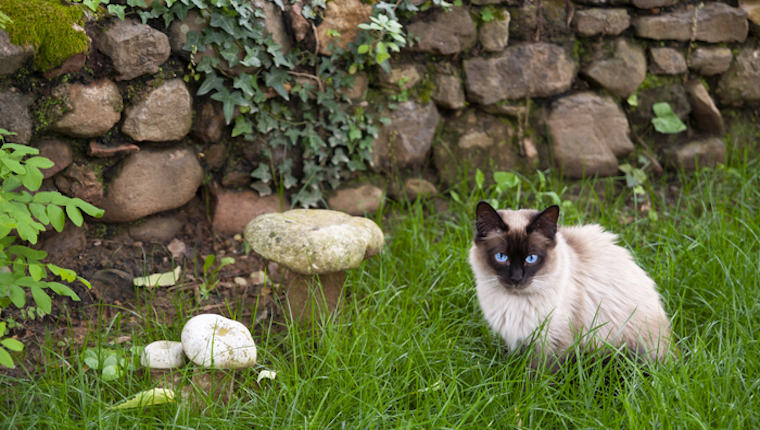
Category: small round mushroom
[317,246]
[163,354]
[211,340]
[161,357]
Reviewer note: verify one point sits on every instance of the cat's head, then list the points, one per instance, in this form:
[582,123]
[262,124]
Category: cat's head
[517,245]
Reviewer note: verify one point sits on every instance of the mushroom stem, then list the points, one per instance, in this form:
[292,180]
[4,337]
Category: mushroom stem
[317,295]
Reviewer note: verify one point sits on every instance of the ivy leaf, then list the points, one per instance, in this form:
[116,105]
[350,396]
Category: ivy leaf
[293,134]
[229,101]
[246,83]
[225,22]
[252,56]
[261,188]
[231,54]
[276,51]
[212,82]
[242,126]
[118,10]
[276,79]
[263,173]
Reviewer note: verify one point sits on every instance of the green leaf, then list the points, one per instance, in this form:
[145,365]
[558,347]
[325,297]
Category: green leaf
[112,372]
[208,262]
[362,49]
[226,261]
[118,10]
[479,179]
[14,165]
[231,55]
[74,215]
[225,22]
[252,56]
[63,290]
[17,295]
[633,100]
[37,271]
[12,344]
[42,299]
[242,126]
[44,197]
[505,180]
[5,359]
[91,358]
[666,121]
[212,82]
[155,396]
[57,218]
[29,253]
[40,162]
[276,79]
[20,149]
[39,212]
[88,208]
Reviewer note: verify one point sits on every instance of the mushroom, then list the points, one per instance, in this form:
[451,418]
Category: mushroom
[219,346]
[211,340]
[162,357]
[317,246]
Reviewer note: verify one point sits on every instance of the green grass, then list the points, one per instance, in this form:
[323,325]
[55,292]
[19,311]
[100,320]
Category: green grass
[411,350]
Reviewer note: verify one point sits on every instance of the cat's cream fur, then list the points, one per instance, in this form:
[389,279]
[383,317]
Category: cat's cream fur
[586,283]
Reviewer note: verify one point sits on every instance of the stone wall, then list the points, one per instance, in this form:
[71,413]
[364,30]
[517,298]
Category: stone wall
[495,85]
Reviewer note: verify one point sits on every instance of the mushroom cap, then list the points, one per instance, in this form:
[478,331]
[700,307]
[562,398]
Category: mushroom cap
[211,340]
[314,241]
[163,354]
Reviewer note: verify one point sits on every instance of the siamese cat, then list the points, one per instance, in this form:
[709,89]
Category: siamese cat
[554,286]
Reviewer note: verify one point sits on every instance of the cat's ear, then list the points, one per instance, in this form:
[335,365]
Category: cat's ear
[545,222]
[488,220]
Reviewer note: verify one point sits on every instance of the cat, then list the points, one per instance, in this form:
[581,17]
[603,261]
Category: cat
[572,282]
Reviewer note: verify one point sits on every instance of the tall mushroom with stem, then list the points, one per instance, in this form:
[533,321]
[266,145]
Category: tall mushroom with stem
[317,247]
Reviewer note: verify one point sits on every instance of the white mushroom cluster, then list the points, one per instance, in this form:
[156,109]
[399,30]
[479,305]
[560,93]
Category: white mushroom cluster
[209,340]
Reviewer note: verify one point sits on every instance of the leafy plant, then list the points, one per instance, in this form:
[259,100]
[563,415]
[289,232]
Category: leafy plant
[383,33]
[294,100]
[23,217]
[211,273]
[665,120]
[112,364]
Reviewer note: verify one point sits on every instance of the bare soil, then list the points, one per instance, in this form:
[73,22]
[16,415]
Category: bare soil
[114,307]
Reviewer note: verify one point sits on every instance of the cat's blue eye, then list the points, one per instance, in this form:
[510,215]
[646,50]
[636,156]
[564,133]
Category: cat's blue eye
[500,257]
[531,258]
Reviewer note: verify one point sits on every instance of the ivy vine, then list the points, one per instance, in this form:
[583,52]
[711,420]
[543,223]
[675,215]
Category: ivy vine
[295,100]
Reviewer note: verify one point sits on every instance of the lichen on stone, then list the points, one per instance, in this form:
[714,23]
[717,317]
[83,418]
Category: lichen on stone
[48,26]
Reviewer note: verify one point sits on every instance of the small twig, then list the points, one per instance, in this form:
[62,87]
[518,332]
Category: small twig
[310,76]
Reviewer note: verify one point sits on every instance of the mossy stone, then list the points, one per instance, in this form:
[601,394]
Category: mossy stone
[48,27]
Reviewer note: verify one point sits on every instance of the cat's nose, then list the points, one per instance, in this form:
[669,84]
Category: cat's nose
[516,275]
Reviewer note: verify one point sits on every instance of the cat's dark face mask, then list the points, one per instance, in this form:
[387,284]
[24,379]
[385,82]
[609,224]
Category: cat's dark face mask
[516,255]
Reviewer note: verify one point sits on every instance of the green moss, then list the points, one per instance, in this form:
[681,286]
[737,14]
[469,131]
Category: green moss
[47,110]
[657,81]
[46,25]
